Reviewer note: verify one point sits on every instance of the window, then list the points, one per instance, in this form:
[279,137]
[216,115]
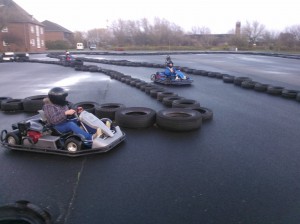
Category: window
[42,30]
[42,42]
[32,42]
[37,30]
[32,29]
[4,44]
[4,30]
[38,42]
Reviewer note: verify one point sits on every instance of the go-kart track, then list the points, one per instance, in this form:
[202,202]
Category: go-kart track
[238,165]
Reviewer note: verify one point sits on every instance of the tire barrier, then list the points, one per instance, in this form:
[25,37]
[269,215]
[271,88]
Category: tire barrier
[11,105]
[33,103]
[3,99]
[149,88]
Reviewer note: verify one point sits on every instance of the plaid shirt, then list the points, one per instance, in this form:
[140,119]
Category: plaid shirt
[55,114]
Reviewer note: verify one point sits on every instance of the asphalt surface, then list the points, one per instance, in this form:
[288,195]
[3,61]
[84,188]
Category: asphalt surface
[240,167]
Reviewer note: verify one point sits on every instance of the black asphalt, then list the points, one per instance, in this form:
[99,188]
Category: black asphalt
[240,167]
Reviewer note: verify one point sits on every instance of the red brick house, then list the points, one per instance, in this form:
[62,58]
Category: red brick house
[19,31]
[56,32]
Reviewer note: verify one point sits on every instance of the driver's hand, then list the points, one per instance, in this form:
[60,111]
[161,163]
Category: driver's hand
[70,112]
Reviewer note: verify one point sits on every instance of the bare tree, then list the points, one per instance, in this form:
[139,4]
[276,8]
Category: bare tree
[253,31]
[295,31]
[200,30]
[270,39]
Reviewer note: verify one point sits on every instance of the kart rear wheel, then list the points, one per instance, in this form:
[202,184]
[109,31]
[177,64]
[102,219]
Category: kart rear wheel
[73,145]
[12,139]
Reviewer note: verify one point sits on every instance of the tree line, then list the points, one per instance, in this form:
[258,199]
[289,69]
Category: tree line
[165,35]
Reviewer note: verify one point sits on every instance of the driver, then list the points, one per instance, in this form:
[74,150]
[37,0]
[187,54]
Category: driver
[173,73]
[56,109]
[170,71]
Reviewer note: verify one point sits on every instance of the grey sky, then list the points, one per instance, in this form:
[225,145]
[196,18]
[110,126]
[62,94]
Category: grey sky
[219,16]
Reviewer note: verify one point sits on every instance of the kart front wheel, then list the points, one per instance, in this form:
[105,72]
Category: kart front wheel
[73,145]
[12,139]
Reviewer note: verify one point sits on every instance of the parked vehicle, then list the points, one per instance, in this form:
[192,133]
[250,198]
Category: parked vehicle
[79,46]
[8,56]
[93,47]
[22,56]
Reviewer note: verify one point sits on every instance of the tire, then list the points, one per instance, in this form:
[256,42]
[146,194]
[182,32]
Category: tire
[238,80]
[167,101]
[73,145]
[143,87]
[78,68]
[291,94]
[3,99]
[179,119]
[134,81]
[161,95]
[135,117]
[154,92]
[108,110]
[248,84]
[228,78]
[93,69]
[185,103]
[12,138]
[24,212]
[260,87]
[298,97]
[206,113]
[33,103]
[89,106]
[148,89]
[12,105]
[275,90]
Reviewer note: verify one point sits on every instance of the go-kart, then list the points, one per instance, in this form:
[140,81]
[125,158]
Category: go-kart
[35,135]
[180,79]
[69,60]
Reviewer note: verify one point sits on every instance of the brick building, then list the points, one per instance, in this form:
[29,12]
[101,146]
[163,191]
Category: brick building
[56,32]
[19,31]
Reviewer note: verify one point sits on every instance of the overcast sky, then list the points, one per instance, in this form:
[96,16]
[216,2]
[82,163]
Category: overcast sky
[219,16]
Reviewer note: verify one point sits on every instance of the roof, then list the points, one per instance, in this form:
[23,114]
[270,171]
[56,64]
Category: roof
[15,14]
[53,27]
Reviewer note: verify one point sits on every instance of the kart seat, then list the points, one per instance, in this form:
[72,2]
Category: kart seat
[53,130]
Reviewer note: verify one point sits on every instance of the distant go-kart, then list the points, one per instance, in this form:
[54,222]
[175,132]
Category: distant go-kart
[34,135]
[69,60]
[161,78]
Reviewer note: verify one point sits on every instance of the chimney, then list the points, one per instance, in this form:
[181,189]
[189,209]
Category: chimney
[238,28]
